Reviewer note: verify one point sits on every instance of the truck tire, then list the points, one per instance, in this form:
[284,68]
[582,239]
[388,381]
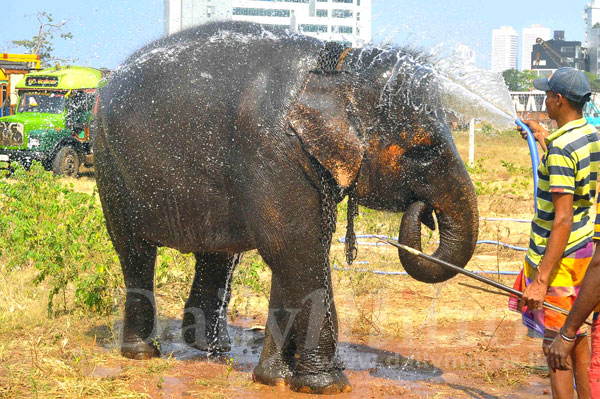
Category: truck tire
[66,162]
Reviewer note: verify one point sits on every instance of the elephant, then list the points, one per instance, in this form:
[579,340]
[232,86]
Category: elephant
[229,137]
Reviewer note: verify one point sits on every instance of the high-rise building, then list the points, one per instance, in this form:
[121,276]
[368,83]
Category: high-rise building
[504,49]
[555,53]
[591,17]
[345,21]
[465,53]
[530,35]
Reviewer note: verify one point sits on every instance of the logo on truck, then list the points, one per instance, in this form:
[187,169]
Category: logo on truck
[11,134]
[41,81]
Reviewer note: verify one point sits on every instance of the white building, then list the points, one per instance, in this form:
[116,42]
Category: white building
[347,21]
[530,35]
[465,53]
[591,17]
[504,49]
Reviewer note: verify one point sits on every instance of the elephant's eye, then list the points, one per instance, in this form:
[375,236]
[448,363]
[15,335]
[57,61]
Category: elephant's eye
[420,153]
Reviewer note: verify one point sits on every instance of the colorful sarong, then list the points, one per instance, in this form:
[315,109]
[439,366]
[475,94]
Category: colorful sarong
[563,288]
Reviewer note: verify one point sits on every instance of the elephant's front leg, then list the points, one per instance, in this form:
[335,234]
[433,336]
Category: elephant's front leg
[318,368]
[204,324]
[277,362]
[301,335]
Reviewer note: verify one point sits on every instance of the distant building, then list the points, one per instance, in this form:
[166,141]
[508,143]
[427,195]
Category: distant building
[529,37]
[591,17]
[556,53]
[345,21]
[504,49]
[465,53]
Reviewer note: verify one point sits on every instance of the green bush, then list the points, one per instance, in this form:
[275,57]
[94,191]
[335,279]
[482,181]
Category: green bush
[62,234]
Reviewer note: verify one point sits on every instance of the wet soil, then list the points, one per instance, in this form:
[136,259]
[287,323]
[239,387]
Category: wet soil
[459,362]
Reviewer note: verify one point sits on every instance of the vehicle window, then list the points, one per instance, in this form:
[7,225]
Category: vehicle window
[47,103]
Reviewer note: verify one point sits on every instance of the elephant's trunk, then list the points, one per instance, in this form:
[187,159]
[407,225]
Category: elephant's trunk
[458,221]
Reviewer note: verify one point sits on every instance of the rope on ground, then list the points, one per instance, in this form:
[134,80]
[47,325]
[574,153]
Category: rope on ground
[384,237]
[385,273]
[378,244]
[506,220]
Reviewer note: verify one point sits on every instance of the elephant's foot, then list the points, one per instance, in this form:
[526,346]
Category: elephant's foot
[140,350]
[323,383]
[275,373]
[139,340]
[205,337]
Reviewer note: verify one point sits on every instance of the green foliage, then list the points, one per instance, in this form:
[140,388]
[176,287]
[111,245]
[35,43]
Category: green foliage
[62,234]
[249,275]
[173,267]
[486,128]
[41,43]
[517,80]
[477,168]
[594,81]
[514,169]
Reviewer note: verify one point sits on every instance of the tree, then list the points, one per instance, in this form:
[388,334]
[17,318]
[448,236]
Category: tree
[518,81]
[594,81]
[41,44]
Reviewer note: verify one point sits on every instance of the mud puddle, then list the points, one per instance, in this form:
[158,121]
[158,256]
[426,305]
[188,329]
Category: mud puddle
[247,345]
[373,372]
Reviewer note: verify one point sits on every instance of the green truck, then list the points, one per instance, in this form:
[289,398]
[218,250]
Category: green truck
[52,120]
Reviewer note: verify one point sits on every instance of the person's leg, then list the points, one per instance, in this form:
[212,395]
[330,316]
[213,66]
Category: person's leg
[594,370]
[580,359]
[561,381]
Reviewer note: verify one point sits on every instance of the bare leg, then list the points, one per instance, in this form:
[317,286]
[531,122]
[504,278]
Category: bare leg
[580,359]
[562,380]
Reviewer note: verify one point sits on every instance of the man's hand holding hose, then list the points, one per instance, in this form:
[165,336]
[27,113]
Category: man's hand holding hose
[539,133]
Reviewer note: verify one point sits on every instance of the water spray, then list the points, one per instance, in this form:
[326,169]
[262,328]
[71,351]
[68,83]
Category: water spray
[535,157]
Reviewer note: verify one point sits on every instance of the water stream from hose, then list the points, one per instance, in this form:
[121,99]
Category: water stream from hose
[472,92]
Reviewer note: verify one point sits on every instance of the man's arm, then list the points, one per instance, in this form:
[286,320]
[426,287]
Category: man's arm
[539,133]
[587,300]
[534,293]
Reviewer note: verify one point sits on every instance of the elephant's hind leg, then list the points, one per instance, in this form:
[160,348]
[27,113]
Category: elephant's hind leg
[139,333]
[204,324]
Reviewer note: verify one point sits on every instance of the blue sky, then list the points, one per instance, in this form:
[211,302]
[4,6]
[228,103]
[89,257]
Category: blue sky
[106,31]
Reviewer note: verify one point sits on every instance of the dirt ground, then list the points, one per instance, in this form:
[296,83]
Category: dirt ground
[399,338]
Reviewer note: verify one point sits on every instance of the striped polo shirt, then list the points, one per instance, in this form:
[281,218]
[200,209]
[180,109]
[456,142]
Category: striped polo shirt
[570,165]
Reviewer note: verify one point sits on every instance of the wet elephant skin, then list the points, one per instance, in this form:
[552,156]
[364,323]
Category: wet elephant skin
[226,138]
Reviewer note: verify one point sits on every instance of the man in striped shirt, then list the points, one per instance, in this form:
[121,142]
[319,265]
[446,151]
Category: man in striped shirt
[560,246]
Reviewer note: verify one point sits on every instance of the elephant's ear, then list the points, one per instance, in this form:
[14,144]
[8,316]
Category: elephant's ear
[320,121]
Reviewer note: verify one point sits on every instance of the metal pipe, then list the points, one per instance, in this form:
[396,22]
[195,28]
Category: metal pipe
[474,276]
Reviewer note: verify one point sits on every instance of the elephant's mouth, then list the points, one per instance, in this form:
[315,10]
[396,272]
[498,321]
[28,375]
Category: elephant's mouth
[458,227]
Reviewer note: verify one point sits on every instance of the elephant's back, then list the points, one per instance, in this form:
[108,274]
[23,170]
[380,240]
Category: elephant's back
[182,116]
[187,91]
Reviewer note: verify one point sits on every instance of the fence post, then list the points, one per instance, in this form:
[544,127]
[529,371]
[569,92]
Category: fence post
[472,143]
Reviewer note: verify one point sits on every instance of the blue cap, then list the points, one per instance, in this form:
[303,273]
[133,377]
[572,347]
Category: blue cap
[568,82]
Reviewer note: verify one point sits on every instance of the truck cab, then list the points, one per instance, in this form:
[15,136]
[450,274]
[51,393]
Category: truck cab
[52,119]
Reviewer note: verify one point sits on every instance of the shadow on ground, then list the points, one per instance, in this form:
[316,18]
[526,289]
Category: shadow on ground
[247,344]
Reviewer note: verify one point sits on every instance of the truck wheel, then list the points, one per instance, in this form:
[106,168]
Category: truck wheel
[66,162]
